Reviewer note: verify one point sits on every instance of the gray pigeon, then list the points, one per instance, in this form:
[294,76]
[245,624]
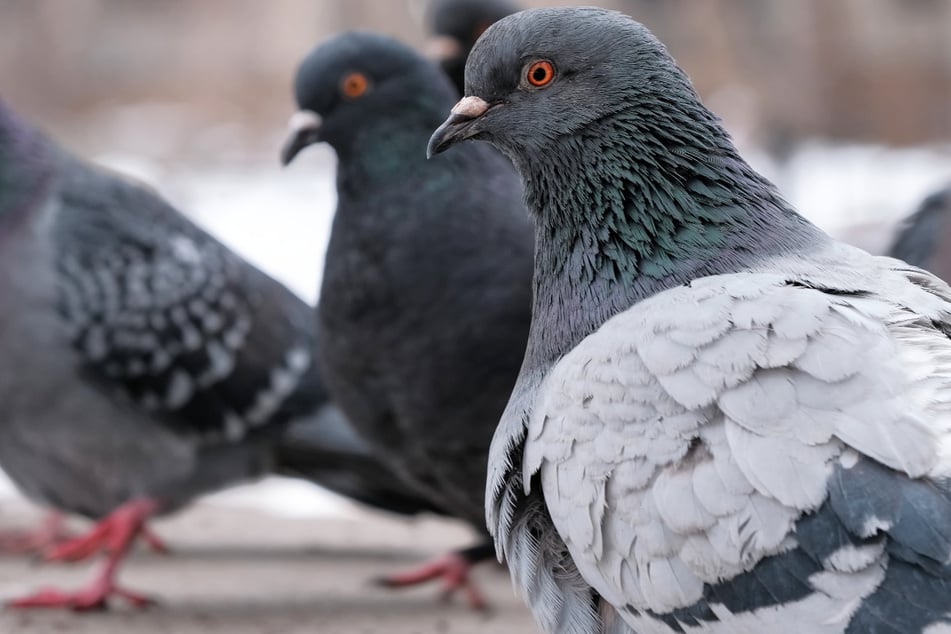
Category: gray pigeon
[726,422]
[144,363]
[455,25]
[426,295]
[924,239]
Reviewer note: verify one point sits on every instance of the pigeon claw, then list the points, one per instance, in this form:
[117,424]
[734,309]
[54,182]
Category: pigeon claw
[453,570]
[115,535]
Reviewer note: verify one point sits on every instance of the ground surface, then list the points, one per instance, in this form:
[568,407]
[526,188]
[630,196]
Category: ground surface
[247,571]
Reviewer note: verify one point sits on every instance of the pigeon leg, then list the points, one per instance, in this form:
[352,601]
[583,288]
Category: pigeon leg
[50,532]
[452,569]
[108,534]
[116,534]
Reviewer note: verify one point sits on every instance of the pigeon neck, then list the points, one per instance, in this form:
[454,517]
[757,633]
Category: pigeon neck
[650,218]
[381,155]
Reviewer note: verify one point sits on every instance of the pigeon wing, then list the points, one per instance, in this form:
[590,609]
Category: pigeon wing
[681,446]
[166,316]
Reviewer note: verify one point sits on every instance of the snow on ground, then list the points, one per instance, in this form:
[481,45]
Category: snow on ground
[280,220]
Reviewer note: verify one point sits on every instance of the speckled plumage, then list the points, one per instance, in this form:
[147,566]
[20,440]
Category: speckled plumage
[726,422]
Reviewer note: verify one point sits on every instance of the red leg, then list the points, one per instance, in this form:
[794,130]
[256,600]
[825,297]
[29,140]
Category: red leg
[103,537]
[115,533]
[452,569]
[51,531]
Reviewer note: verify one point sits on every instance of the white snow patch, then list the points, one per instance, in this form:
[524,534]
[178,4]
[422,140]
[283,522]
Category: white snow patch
[284,497]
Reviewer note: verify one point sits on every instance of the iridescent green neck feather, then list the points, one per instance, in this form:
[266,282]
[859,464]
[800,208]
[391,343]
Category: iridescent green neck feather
[644,200]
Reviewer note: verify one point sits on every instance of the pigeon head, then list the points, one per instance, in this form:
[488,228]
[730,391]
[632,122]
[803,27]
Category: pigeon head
[456,25]
[587,104]
[544,74]
[361,90]
[633,184]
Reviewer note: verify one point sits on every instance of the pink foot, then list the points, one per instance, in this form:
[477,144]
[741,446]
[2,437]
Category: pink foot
[93,597]
[113,534]
[453,571]
[50,532]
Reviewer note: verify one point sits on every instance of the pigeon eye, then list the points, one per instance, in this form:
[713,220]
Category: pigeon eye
[540,73]
[354,85]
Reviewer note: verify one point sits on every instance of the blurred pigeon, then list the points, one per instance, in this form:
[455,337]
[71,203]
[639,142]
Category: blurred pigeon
[144,363]
[924,238]
[726,421]
[323,448]
[455,26]
[426,295]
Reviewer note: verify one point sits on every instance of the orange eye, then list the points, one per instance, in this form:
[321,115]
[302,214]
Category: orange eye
[540,74]
[354,85]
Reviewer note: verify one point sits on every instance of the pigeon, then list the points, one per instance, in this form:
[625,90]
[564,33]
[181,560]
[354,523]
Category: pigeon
[455,26]
[425,301]
[922,237]
[726,421]
[145,363]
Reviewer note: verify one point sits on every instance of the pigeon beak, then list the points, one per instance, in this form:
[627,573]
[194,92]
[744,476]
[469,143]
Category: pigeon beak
[458,127]
[442,48]
[302,130]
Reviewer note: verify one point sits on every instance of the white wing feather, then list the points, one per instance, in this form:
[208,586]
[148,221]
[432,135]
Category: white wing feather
[679,443]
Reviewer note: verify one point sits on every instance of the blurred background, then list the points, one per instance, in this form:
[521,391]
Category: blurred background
[845,104]
[876,71]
